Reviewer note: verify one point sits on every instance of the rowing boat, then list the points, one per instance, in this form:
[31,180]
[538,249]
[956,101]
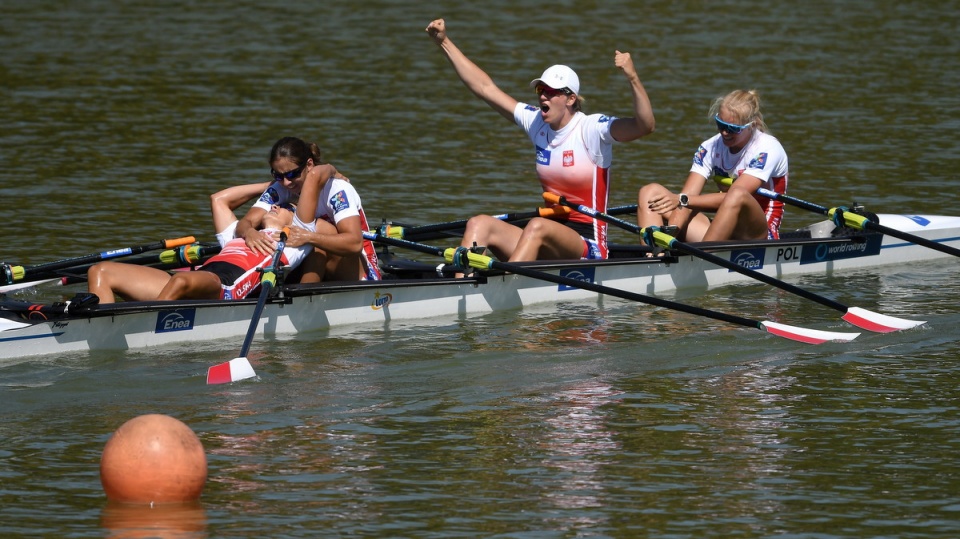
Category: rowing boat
[417,290]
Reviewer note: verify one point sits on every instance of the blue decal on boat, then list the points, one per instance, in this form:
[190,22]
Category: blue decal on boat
[584,275]
[919,219]
[176,320]
[381,300]
[824,252]
[749,258]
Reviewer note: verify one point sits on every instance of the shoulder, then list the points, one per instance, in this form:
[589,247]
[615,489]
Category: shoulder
[768,140]
[275,193]
[713,143]
[526,115]
[340,184]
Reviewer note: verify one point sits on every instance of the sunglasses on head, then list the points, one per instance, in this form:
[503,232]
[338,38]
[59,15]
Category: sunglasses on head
[291,175]
[551,92]
[733,129]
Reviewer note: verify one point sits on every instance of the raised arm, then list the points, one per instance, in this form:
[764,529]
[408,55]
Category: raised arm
[643,122]
[223,202]
[474,78]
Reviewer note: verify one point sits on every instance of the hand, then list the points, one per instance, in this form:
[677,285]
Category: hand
[296,236]
[625,63]
[437,30]
[664,203]
[259,242]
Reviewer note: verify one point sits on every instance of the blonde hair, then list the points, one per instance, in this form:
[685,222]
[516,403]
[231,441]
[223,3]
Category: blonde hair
[742,104]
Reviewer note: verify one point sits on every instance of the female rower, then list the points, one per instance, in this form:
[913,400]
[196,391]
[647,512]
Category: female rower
[331,198]
[340,253]
[233,273]
[574,152]
[743,151]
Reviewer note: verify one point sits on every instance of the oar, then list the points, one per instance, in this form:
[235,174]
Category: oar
[862,318]
[11,287]
[852,220]
[407,232]
[179,257]
[239,368]
[463,258]
[396,231]
[12,274]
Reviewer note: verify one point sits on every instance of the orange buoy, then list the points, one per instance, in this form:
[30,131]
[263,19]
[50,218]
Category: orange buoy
[153,459]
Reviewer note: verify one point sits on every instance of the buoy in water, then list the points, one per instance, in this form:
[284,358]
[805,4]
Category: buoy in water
[153,459]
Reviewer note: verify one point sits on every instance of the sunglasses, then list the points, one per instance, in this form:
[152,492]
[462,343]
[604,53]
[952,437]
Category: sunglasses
[292,175]
[733,129]
[551,92]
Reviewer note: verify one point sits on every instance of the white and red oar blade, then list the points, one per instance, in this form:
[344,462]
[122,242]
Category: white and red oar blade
[236,369]
[809,336]
[877,322]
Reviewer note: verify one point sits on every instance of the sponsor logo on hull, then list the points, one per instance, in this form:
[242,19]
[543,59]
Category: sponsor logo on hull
[825,252]
[585,275]
[176,320]
[381,301]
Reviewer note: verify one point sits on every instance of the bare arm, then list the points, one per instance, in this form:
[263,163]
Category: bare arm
[249,229]
[643,122]
[317,177]
[223,202]
[474,78]
[348,240]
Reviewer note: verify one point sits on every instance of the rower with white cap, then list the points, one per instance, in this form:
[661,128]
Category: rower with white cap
[574,152]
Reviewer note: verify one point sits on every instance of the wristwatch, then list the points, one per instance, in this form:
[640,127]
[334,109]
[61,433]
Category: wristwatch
[684,200]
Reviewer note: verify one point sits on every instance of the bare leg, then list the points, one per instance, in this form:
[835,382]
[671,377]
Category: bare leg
[543,239]
[134,283]
[499,237]
[192,285]
[645,215]
[739,217]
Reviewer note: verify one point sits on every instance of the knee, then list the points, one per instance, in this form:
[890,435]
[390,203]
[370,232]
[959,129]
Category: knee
[535,228]
[101,272]
[649,190]
[177,284]
[95,272]
[737,198]
[478,224]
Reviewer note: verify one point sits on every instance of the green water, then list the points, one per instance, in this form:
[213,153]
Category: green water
[591,420]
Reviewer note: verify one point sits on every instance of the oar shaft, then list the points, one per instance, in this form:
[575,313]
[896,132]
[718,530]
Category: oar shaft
[266,283]
[913,238]
[401,231]
[859,221]
[19,273]
[624,294]
[792,200]
[668,241]
[484,262]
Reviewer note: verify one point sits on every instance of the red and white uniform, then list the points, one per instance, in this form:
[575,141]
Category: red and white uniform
[763,158]
[337,201]
[574,162]
[238,266]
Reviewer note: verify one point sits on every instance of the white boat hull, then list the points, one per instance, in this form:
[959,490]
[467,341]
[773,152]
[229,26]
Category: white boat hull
[306,308]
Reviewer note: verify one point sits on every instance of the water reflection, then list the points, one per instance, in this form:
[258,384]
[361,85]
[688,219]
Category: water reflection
[167,521]
[579,442]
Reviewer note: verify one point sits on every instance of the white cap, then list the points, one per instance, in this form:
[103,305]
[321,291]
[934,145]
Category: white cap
[559,77]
